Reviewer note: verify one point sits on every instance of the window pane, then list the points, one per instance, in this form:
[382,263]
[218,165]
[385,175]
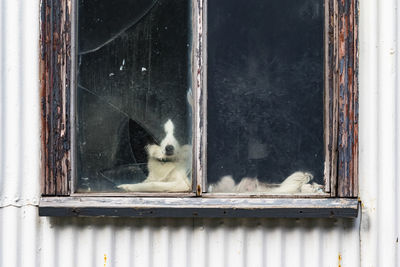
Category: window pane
[132,78]
[265,96]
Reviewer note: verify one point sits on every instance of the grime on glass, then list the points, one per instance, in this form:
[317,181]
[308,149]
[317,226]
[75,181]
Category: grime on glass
[134,96]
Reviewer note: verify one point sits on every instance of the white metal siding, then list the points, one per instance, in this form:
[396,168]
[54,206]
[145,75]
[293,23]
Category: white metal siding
[369,240]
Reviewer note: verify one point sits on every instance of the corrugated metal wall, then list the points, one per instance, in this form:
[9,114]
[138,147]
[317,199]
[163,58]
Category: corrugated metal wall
[369,240]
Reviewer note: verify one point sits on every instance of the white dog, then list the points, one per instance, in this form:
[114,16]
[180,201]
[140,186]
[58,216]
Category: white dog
[169,166]
[298,182]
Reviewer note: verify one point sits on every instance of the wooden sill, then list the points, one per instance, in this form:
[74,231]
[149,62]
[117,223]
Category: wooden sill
[198,207]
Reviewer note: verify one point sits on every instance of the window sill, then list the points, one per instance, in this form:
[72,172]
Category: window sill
[198,207]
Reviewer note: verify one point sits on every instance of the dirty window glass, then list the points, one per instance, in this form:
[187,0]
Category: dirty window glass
[133,100]
[265,96]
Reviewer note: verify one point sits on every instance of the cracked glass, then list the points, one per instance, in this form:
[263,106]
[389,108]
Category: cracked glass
[133,96]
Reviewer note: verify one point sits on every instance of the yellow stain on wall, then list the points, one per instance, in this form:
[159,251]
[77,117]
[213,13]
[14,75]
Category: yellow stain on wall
[105,260]
[340,260]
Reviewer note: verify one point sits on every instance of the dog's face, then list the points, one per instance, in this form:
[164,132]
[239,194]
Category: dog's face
[169,144]
[169,147]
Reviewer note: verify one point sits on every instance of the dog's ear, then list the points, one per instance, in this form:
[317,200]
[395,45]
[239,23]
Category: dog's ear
[169,127]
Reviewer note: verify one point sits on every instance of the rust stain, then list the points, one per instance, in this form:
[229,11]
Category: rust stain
[198,190]
[339,260]
[105,260]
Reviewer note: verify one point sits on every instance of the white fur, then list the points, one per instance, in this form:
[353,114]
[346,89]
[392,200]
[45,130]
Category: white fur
[225,184]
[167,173]
[293,183]
[298,182]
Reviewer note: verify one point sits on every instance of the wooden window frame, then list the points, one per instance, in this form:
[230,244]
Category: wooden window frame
[340,129]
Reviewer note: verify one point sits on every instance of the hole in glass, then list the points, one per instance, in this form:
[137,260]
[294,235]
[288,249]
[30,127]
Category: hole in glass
[133,96]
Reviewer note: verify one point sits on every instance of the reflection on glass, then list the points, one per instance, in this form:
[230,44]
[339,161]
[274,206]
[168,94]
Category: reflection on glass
[265,96]
[133,126]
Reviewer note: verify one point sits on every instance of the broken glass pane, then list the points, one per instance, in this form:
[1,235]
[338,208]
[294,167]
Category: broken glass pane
[265,96]
[133,90]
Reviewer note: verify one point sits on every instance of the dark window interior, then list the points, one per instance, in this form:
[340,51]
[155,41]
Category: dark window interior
[265,89]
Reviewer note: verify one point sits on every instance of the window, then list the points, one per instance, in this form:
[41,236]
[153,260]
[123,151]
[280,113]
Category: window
[253,105]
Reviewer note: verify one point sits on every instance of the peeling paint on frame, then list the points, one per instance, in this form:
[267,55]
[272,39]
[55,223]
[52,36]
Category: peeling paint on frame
[341,96]
[55,94]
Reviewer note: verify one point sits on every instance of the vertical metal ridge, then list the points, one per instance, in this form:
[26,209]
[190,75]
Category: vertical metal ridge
[199,254]
[47,243]
[2,219]
[1,234]
[254,243]
[397,135]
[386,126]
[18,238]
[10,102]
[30,114]
[2,95]
[121,249]
[189,242]
[10,236]
[273,237]
[20,164]
[19,121]
[28,240]
[368,131]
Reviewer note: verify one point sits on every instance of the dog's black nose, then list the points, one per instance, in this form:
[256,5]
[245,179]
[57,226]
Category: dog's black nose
[169,150]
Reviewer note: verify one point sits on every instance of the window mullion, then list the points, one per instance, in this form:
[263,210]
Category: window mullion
[199,84]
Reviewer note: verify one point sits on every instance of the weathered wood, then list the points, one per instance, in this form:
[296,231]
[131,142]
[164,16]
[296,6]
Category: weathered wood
[335,101]
[264,195]
[328,94]
[348,99]
[197,207]
[199,84]
[341,98]
[206,195]
[55,78]
[134,194]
